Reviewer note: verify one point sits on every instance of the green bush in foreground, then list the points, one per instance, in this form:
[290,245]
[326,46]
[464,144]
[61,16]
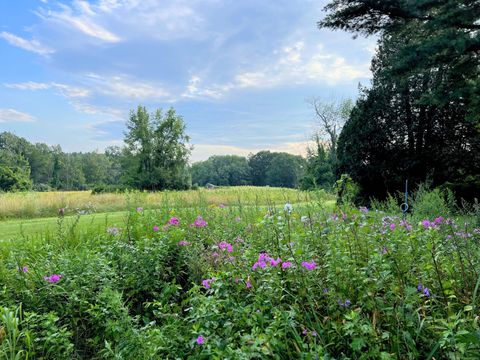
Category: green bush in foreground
[245,283]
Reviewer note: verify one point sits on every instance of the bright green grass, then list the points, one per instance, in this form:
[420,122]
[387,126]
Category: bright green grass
[98,222]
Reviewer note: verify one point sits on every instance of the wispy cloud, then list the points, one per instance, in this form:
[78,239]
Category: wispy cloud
[293,65]
[12,115]
[29,45]
[63,89]
[126,87]
[82,18]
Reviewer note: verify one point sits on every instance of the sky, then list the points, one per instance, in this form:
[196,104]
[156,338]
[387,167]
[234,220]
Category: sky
[240,73]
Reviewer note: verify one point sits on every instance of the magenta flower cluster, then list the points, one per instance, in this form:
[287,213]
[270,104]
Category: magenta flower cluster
[225,246]
[264,259]
[309,265]
[199,222]
[54,278]
[173,221]
[427,224]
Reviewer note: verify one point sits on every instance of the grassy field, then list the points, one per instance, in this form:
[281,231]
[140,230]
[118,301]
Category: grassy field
[25,205]
[259,278]
[36,214]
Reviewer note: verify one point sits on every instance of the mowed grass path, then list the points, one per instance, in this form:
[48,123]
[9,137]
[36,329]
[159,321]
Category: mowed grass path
[32,221]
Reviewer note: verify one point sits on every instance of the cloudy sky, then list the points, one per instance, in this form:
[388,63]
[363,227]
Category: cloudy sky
[239,72]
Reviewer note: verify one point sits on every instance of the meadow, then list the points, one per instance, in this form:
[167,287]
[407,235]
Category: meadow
[229,274]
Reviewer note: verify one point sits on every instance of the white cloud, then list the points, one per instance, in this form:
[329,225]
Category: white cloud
[113,21]
[122,86]
[29,45]
[82,18]
[295,64]
[64,90]
[12,115]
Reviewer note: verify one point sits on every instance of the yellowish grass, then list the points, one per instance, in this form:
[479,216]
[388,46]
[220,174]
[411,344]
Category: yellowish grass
[35,204]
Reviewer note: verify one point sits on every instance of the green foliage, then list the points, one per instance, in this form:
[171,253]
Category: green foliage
[226,170]
[157,151]
[422,109]
[166,285]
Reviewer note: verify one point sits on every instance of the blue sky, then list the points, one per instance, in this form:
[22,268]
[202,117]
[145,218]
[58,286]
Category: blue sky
[239,72]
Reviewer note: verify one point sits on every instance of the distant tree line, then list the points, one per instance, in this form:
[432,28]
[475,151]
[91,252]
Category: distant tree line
[264,168]
[154,157]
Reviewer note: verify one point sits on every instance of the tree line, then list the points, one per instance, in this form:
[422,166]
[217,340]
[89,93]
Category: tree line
[155,156]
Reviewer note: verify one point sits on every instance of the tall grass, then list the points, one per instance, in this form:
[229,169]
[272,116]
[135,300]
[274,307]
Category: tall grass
[44,204]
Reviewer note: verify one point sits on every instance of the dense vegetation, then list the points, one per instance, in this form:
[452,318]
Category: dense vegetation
[420,119]
[295,281]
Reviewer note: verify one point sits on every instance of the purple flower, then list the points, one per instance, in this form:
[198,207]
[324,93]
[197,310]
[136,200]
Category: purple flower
[173,221]
[200,340]
[248,284]
[406,225]
[156,228]
[426,224]
[392,226]
[313,333]
[199,222]
[309,265]
[305,332]
[221,206]
[113,231]
[426,292]
[54,278]
[345,304]
[23,269]
[438,220]
[215,254]
[325,291]
[183,243]
[364,209]
[166,227]
[206,283]
[286,265]
[419,287]
[139,209]
[238,219]
[334,217]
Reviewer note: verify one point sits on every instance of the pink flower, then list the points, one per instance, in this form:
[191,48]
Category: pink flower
[238,219]
[221,206]
[286,265]
[23,269]
[309,265]
[199,222]
[183,243]
[173,221]
[166,227]
[139,209]
[200,340]
[226,246]
[54,278]
[248,284]
[156,228]
[215,254]
[274,263]
[392,226]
